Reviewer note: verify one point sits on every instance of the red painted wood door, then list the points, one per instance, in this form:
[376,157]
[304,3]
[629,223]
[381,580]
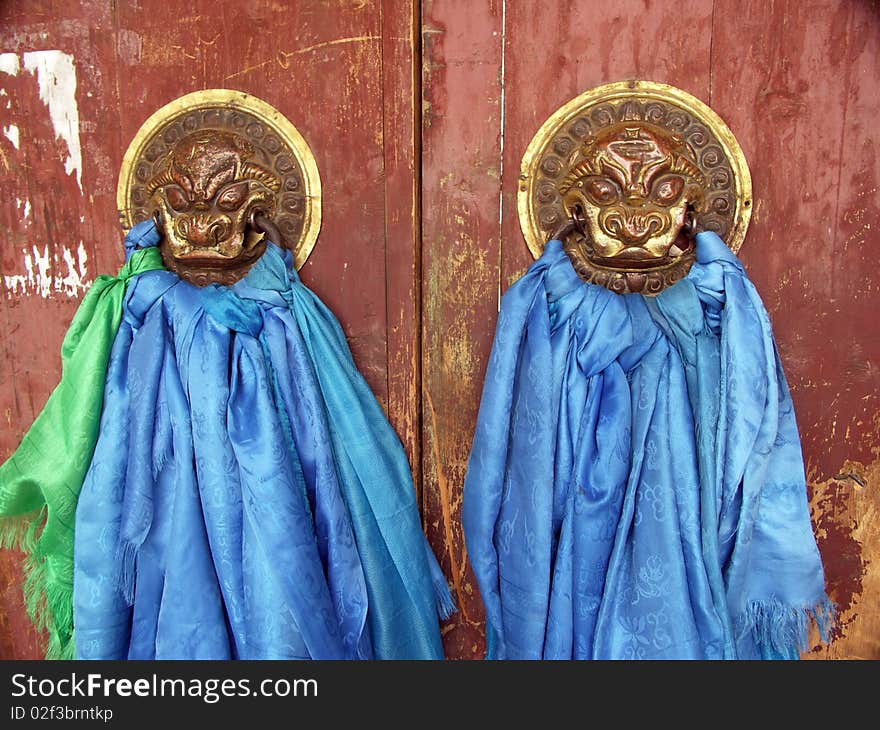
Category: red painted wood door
[799,85]
[342,72]
[418,115]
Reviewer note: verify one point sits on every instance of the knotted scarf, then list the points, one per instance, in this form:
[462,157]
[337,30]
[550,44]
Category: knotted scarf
[636,487]
[248,498]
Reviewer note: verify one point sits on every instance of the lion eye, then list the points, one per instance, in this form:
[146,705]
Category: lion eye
[667,189]
[602,191]
[233,196]
[176,198]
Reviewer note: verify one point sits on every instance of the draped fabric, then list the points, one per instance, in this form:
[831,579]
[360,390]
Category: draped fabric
[248,498]
[41,481]
[242,494]
[636,488]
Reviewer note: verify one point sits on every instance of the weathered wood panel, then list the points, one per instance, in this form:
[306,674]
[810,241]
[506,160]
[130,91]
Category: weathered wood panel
[461,174]
[59,155]
[798,84]
[401,69]
[341,71]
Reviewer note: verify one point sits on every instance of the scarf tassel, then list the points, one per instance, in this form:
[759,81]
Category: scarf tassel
[48,602]
[20,532]
[443,599]
[783,629]
[126,556]
[445,602]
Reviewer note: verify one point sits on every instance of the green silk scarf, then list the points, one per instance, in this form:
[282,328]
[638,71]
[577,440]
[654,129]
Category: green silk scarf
[40,483]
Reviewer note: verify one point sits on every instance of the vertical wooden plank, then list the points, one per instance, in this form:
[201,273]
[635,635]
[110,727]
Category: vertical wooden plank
[799,84]
[401,69]
[320,63]
[58,222]
[460,227]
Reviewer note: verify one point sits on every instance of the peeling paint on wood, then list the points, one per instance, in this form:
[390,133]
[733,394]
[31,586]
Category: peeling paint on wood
[846,513]
[798,85]
[390,92]
[56,77]
[64,272]
[343,73]
[461,266]
[401,143]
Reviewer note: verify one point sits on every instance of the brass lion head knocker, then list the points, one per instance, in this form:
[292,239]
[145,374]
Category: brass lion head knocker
[205,200]
[626,175]
[220,171]
[634,186]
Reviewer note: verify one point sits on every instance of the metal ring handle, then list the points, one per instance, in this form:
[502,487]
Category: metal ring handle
[259,222]
[575,222]
[691,225]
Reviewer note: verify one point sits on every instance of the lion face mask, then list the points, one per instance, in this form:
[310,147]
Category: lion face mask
[205,199]
[634,186]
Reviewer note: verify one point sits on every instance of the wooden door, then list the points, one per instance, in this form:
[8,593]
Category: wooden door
[799,85]
[418,115]
[342,72]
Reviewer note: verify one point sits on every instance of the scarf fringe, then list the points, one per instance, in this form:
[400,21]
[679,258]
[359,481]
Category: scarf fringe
[163,443]
[20,532]
[785,629]
[48,600]
[161,458]
[61,651]
[446,605]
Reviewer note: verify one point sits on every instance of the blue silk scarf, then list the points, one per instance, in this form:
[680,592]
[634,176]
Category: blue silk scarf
[247,498]
[636,487]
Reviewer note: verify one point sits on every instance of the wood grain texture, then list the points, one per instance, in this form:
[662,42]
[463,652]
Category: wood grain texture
[341,71]
[401,71]
[798,84]
[461,181]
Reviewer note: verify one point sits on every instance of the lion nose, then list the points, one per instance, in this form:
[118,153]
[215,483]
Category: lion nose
[203,230]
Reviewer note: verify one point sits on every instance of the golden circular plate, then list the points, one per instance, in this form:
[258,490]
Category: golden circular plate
[278,144]
[719,156]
